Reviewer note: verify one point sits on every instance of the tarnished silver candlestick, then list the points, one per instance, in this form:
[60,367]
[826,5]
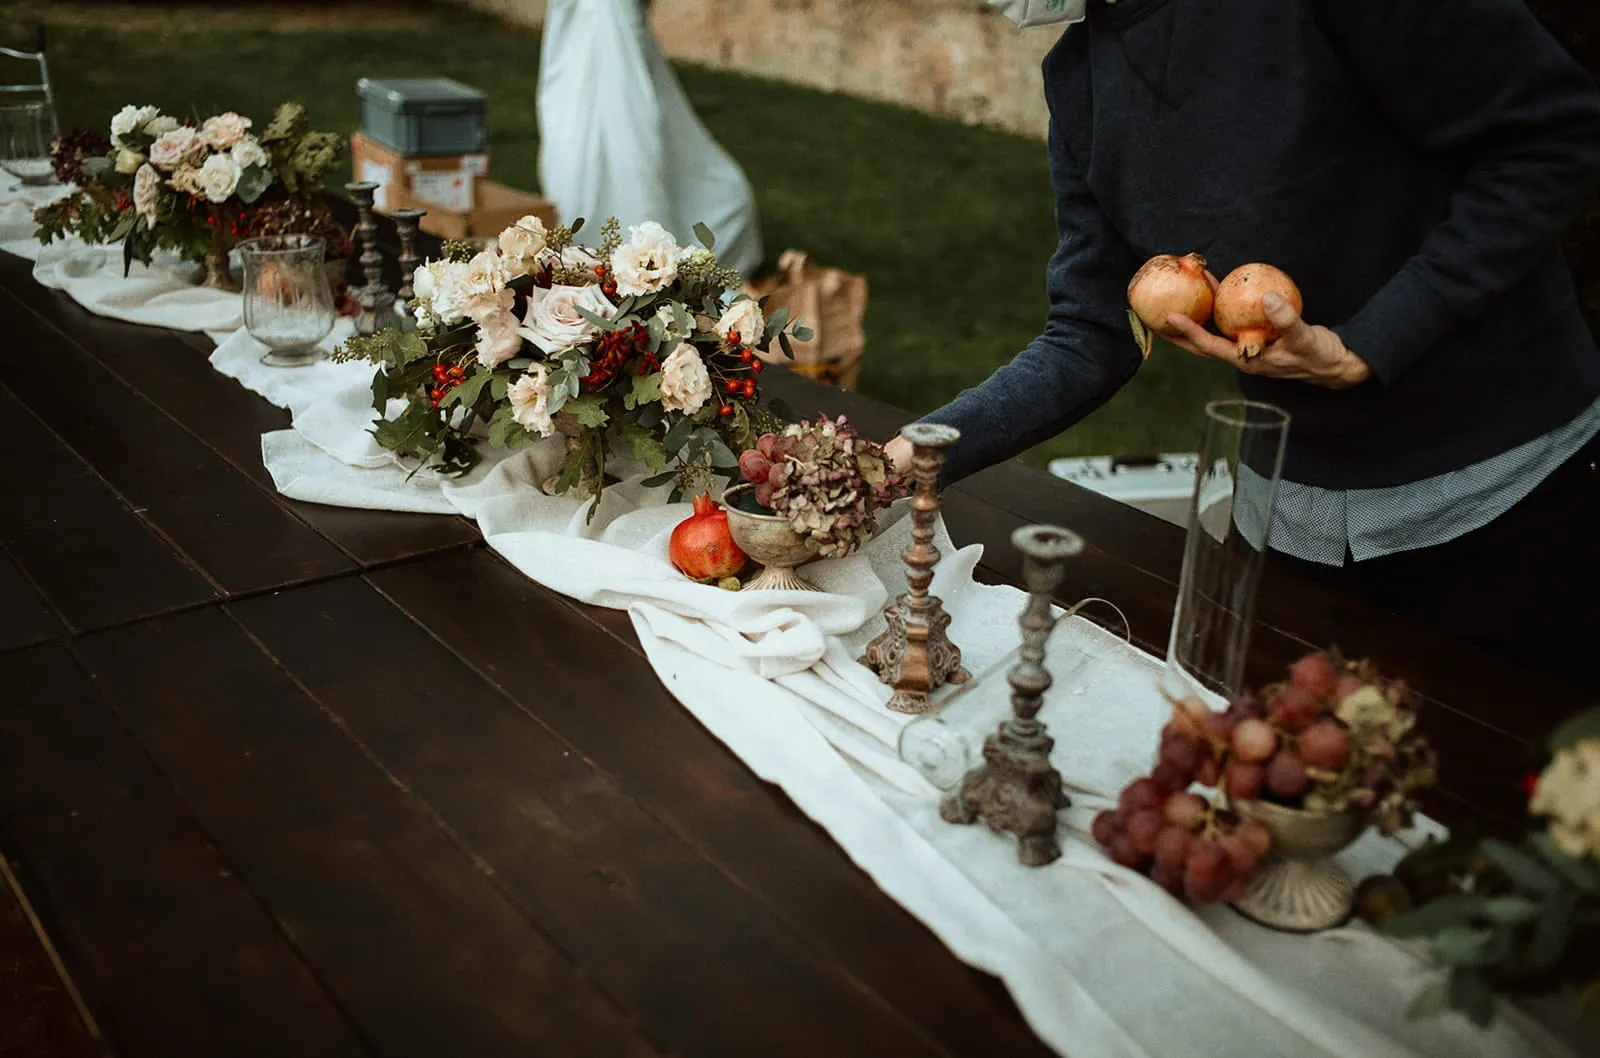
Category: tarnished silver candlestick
[1016,789]
[375,299]
[405,223]
[914,654]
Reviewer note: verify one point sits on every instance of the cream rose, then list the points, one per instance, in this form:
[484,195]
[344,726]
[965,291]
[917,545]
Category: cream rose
[530,401]
[146,193]
[553,322]
[1569,793]
[744,319]
[130,119]
[432,287]
[647,262]
[186,180]
[685,382]
[177,148]
[223,131]
[160,125]
[248,151]
[498,338]
[218,177]
[128,162]
[521,244]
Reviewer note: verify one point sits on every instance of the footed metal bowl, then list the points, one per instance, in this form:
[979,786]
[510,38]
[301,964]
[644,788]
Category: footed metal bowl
[1300,889]
[769,541]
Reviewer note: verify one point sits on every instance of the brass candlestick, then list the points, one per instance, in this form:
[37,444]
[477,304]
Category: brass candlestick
[1016,789]
[914,654]
[375,299]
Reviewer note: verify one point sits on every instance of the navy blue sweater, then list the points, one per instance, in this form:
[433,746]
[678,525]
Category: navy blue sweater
[1411,163]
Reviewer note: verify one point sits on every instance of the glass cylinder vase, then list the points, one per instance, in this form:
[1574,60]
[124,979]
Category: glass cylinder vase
[288,304]
[1230,522]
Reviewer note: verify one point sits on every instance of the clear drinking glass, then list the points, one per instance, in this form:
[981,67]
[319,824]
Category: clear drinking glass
[288,304]
[26,130]
[1230,519]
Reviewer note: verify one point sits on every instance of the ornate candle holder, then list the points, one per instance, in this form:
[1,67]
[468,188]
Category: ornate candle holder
[375,299]
[914,654]
[1016,789]
[405,223]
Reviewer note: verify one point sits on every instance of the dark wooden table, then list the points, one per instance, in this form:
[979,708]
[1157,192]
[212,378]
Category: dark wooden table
[281,779]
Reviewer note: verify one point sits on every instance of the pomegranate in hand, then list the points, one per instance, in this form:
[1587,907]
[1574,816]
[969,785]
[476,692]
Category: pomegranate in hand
[702,547]
[1164,285]
[1240,314]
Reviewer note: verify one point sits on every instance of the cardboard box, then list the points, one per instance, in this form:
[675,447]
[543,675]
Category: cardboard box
[498,207]
[444,180]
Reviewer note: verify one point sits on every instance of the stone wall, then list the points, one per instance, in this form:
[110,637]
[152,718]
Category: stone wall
[952,58]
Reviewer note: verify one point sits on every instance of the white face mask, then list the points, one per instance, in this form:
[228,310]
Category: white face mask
[1027,13]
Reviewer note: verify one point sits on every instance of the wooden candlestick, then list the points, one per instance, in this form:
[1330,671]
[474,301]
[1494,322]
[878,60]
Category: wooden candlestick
[914,654]
[1016,789]
[375,299]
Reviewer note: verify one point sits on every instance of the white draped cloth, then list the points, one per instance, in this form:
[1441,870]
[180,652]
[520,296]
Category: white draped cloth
[618,137]
[1101,962]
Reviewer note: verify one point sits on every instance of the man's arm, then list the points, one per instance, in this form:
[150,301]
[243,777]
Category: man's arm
[1483,81]
[1085,354]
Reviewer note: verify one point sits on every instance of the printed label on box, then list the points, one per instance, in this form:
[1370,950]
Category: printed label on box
[476,164]
[452,190]
[379,174]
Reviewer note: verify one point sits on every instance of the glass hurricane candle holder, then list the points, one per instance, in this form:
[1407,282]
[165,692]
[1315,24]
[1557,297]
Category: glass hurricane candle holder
[26,130]
[288,304]
[1230,521]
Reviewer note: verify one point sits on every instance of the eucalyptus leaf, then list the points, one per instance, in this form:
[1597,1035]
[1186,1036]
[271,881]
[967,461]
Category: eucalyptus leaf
[1554,932]
[783,343]
[1524,870]
[704,234]
[520,363]
[1470,993]
[1433,1000]
[722,456]
[599,321]
[253,183]
[775,324]
[1510,910]
[1452,909]
[658,480]
[657,327]
[802,334]
[1581,873]
[1462,945]
[678,434]
[558,399]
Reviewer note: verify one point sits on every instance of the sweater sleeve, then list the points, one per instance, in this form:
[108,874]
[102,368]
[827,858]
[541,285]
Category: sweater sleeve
[1085,354]
[1481,81]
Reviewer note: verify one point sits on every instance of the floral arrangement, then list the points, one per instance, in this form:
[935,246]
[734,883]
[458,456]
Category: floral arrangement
[636,347]
[826,479]
[1335,737]
[293,216]
[1518,918]
[185,186]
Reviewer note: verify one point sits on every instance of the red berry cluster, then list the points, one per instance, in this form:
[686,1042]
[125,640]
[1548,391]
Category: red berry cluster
[444,380]
[608,283]
[614,349]
[743,387]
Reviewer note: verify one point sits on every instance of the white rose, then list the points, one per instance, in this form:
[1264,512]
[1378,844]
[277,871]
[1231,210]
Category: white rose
[218,177]
[177,148]
[434,286]
[744,319]
[553,322]
[160,125]
[146,192]
[499,338]
[128,162]
[479,287]
[521,244]
[530,401]
[130,119]
[223,131]
[1569,793]
[647,262]
[248,152]
[685,382]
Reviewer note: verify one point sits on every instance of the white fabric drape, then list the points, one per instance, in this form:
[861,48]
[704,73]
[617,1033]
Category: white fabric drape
[618,137]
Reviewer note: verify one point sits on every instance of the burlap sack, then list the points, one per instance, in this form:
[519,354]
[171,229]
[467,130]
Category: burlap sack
[830,301]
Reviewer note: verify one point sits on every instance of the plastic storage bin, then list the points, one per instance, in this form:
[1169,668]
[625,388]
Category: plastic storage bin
[423,116]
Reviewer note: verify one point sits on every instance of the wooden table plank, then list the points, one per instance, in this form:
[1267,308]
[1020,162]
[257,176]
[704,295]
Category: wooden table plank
[173,372]
[174,955]
[25,617]
[702,964]
[416,941]
[522,637]
[229,526]
[94,560]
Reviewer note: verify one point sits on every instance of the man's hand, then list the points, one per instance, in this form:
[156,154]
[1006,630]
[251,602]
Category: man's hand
[899,452]
[1303,353]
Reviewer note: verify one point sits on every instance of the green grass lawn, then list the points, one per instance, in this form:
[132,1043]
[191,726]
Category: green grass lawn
[952,225]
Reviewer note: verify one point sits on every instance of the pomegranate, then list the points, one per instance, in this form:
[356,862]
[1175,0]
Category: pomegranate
[1239,313]
[701,546]
[1164,285]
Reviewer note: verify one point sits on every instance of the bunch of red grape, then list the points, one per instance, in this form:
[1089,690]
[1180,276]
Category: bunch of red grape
[1271,750]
